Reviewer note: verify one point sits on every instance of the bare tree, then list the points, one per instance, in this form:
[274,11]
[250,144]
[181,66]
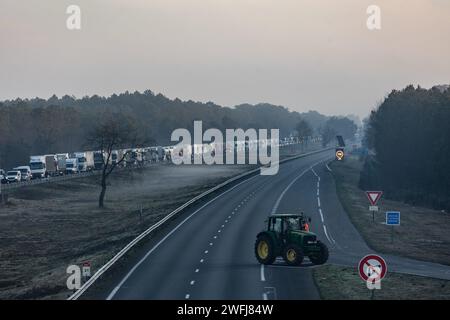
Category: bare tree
[328,134]
[114,132]
[304,131]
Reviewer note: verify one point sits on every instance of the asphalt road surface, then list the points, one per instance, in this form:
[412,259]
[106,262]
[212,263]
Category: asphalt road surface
[210,254]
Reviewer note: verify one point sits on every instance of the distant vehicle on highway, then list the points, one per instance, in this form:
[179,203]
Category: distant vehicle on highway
[116,156]
[287,235]
[3,176]
[98,160]
[85,161]
[72,166]
[25,172]
[43,166]
[61,162]
[168,153]
[13,176]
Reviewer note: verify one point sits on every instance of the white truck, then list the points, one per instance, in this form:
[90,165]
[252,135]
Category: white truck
[72,166]
[61,162]
[116,157]
[85,160]
[43,166]
[98,160]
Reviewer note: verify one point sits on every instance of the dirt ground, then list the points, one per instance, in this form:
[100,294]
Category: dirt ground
[423,233]
[48,227]
[343,283]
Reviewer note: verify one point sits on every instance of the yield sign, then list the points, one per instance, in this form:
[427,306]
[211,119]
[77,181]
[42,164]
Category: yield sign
[374,196]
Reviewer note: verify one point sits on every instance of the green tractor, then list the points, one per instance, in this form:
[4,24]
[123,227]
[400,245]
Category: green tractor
[288,236]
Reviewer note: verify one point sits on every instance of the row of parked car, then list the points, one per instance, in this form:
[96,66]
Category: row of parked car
[22,173]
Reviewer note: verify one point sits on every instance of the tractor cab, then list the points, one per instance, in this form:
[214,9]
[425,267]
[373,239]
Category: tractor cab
[288,236]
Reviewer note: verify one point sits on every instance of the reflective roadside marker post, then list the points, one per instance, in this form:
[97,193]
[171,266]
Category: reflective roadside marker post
[392,219]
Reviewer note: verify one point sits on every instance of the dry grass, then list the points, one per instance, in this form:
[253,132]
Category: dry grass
[343,283]
[423,233]
[45,228]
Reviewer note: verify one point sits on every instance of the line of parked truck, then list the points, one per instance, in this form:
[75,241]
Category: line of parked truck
[50,165]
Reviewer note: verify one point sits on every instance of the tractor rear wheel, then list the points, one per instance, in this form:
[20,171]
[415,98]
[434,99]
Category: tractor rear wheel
[293,255]
[322,256]
[265,249]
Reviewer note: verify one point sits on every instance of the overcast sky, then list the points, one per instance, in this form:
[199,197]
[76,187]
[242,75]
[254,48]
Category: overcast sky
[303,54]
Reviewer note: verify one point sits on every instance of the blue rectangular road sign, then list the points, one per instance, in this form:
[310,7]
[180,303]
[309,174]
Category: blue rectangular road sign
[393,218]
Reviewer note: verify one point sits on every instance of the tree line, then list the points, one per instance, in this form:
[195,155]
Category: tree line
[408,137]
[54,125]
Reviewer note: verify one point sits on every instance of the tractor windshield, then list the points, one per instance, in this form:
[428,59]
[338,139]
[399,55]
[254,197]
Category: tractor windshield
[294,223]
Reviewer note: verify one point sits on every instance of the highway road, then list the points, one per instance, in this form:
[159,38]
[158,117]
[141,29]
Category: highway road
[210,254]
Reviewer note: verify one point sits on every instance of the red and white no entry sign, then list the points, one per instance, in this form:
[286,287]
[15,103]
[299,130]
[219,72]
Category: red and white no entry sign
[372,266]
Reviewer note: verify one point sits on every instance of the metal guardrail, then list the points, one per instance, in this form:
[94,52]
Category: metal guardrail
[158,224]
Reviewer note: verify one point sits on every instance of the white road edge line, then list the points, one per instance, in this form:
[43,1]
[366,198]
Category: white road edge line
[263,278]
[326,234]
[321,215]
[114,291]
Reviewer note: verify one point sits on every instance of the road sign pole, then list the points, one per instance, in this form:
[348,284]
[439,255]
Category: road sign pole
[392,234]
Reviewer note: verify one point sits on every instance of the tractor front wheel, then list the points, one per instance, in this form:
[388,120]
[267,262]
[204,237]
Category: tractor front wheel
[265,249]
[322,256]
[293,255]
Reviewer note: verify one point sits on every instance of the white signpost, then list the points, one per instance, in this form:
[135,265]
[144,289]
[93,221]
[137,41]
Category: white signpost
[373,197]
[86,271]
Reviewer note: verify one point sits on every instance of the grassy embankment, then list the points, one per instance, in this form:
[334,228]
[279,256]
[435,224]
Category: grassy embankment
[423,235]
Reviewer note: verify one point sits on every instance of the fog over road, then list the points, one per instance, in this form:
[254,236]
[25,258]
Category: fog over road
[210,254]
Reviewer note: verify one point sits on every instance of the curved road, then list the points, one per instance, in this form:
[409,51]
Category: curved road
[209,254]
